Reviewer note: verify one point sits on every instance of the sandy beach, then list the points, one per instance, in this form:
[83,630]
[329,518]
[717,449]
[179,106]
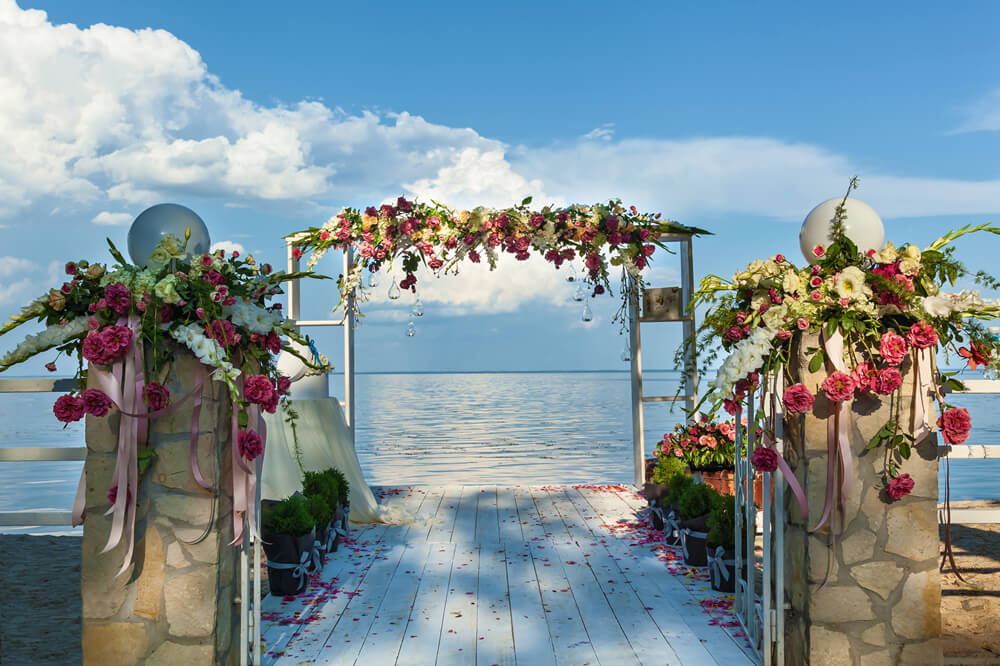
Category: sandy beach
[40,600]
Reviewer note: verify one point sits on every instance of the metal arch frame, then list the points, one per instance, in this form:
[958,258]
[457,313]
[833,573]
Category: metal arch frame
[690,388]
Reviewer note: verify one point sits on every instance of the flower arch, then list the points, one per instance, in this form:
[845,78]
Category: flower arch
[603,235]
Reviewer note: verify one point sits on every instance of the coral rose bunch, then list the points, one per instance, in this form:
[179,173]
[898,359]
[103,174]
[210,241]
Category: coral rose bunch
[703,444]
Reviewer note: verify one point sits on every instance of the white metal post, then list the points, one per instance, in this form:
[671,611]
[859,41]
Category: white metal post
[635,353]
[349,316]
[687,291]
[294,298]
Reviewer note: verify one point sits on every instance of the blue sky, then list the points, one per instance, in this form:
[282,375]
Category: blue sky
[736,117]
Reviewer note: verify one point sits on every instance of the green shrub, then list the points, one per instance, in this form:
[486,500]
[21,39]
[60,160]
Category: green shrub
[696,501]
[667,468]
[321,484]
[289,516]
[676,487]
[722,522]
[343,487]
[320,510]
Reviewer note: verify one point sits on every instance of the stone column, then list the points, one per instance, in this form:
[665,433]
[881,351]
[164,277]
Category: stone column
[881,599]
[175,603]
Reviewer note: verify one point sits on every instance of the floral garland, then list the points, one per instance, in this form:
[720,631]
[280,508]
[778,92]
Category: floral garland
[872,310]
[118,321]
[441,238]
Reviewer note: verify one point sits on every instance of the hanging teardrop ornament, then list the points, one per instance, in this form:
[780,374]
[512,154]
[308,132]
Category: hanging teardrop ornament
[372,280]
[626,354]
[588,315]
[411,330]
[418,309]
[394,291]
[572,274]
[579,294]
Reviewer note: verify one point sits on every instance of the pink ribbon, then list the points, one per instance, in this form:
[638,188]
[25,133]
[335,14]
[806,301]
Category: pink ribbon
[837,443]
[922,384]
[245,478]
[786,471]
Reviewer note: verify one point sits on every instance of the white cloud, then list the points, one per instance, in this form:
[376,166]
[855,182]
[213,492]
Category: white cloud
[112,219]
[604,132]
[983,115]
[24,286]
[229,247]
[15,265]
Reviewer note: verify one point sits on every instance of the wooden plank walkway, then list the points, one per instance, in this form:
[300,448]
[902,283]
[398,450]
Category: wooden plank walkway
[506,575]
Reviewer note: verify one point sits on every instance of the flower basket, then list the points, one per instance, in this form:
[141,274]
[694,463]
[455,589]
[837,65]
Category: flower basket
[693,547]
[288,559]
[722,569]
[722,481]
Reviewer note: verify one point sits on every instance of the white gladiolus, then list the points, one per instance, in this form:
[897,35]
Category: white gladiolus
[53,336]
[253,318]
[207,350]
[747,356]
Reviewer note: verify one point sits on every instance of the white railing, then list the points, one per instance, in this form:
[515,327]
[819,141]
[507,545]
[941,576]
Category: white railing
[964,516]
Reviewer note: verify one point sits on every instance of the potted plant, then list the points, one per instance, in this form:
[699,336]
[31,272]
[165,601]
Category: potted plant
[326,489]
[666,468]
[693,509]
[341,514]
[708,448]
[322,514]
[288,534]
[721,544]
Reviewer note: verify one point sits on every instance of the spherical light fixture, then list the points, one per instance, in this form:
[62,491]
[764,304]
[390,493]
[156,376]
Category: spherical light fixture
[156,222]
[862,225]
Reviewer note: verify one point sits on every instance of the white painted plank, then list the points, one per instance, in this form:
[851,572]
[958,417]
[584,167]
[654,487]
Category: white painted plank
[532,643]
[420,529]
[444,519]
[719,643]
[487,516]
[510,522]
[458,631]
[381,645]
[423,632]
[606,635]
[570,642]
[531,522]
[465,521]
[668,618]
[495,645]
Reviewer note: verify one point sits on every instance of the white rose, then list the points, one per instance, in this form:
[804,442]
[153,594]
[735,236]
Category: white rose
[909,266]
[886,255]
[791,282]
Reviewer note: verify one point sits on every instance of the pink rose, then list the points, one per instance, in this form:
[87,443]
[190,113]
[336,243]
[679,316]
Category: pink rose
[69,408]
[887,381]
[798,399]
[802,324]
[118,297]
[764,459]
[250,444]
[117,340]
[95,402]
[922,335]
[955,423]
[900,486]
[258,389]
[732,407]
[864,375]
[157,396]
[223,332]
[708,441]
[51,367]
[93,349]
[839,387]
[271,406]
[893,348]
[283,384]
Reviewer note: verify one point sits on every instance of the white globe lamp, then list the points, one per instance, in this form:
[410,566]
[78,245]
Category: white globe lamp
[862,225]
[156,222]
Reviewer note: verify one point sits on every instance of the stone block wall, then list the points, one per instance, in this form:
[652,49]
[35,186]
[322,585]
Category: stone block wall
[175,603]
[872,594]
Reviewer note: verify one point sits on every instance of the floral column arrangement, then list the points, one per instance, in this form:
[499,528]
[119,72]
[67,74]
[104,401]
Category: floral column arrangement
[175,363]
[854,339]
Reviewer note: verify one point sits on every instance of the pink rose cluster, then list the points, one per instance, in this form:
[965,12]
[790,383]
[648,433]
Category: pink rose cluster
[105,346]
[798,399]
[157,396]
[69,408]
[261,390]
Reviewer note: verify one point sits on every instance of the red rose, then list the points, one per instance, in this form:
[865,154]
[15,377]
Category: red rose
[922,335]
[798,399]
[259,389]
[887,381]
[955,424]
[95,402]
[157,396]
[764,459]
[839,387]
[69,408]
[250,444]
[900,486]
[283,384]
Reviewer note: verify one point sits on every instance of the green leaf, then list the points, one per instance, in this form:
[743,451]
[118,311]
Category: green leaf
[526,201]
[876,440]
[954,385]
[846,325]
[904,450]
[831,326]
[145,459]
[815,363]
[116,254]
[243,420]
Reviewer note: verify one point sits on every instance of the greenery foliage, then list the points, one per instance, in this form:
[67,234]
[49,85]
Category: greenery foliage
[676,487]
[722,522]
[696,501]
[666,468]
[289,516]
[320,510]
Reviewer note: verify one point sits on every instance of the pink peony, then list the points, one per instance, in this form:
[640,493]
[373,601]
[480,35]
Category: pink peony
[250,444]
[893,348]
[95,402]
[887,381]
[259,389]
[922,335]
[955,423]
[69,408]
[899,487]
[802,324]
[839,387]
[118,297]
[798,399]
[764,459]
[157,396]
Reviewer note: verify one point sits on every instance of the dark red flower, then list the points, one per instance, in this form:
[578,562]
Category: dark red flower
[899,487]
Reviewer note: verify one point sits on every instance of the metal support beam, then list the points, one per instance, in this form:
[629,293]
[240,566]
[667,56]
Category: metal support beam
[635,353]
[349,318]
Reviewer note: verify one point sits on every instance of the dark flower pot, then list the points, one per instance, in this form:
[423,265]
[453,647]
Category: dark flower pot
[671,526]
[286,551]
[699,524]
[318,559]
[655,492]
[656,518]
[722,568]
[693,545]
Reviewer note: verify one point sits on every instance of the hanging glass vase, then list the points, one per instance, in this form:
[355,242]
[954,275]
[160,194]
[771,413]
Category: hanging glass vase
[588,315]
[418,309]
[411,330]
[372,280]
[579,294]
[394,291]
[626,354]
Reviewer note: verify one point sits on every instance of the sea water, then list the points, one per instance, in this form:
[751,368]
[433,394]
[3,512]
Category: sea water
[464,428]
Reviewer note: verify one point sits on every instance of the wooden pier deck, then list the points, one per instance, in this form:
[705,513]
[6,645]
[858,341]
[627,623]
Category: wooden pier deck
[506,575]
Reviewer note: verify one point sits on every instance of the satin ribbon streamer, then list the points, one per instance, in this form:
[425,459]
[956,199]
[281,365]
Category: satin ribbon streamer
[298,570]
[837,443]
[718,565]
[922,373]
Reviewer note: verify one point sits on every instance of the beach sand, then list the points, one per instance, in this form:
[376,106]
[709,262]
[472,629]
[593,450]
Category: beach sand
[40,599]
